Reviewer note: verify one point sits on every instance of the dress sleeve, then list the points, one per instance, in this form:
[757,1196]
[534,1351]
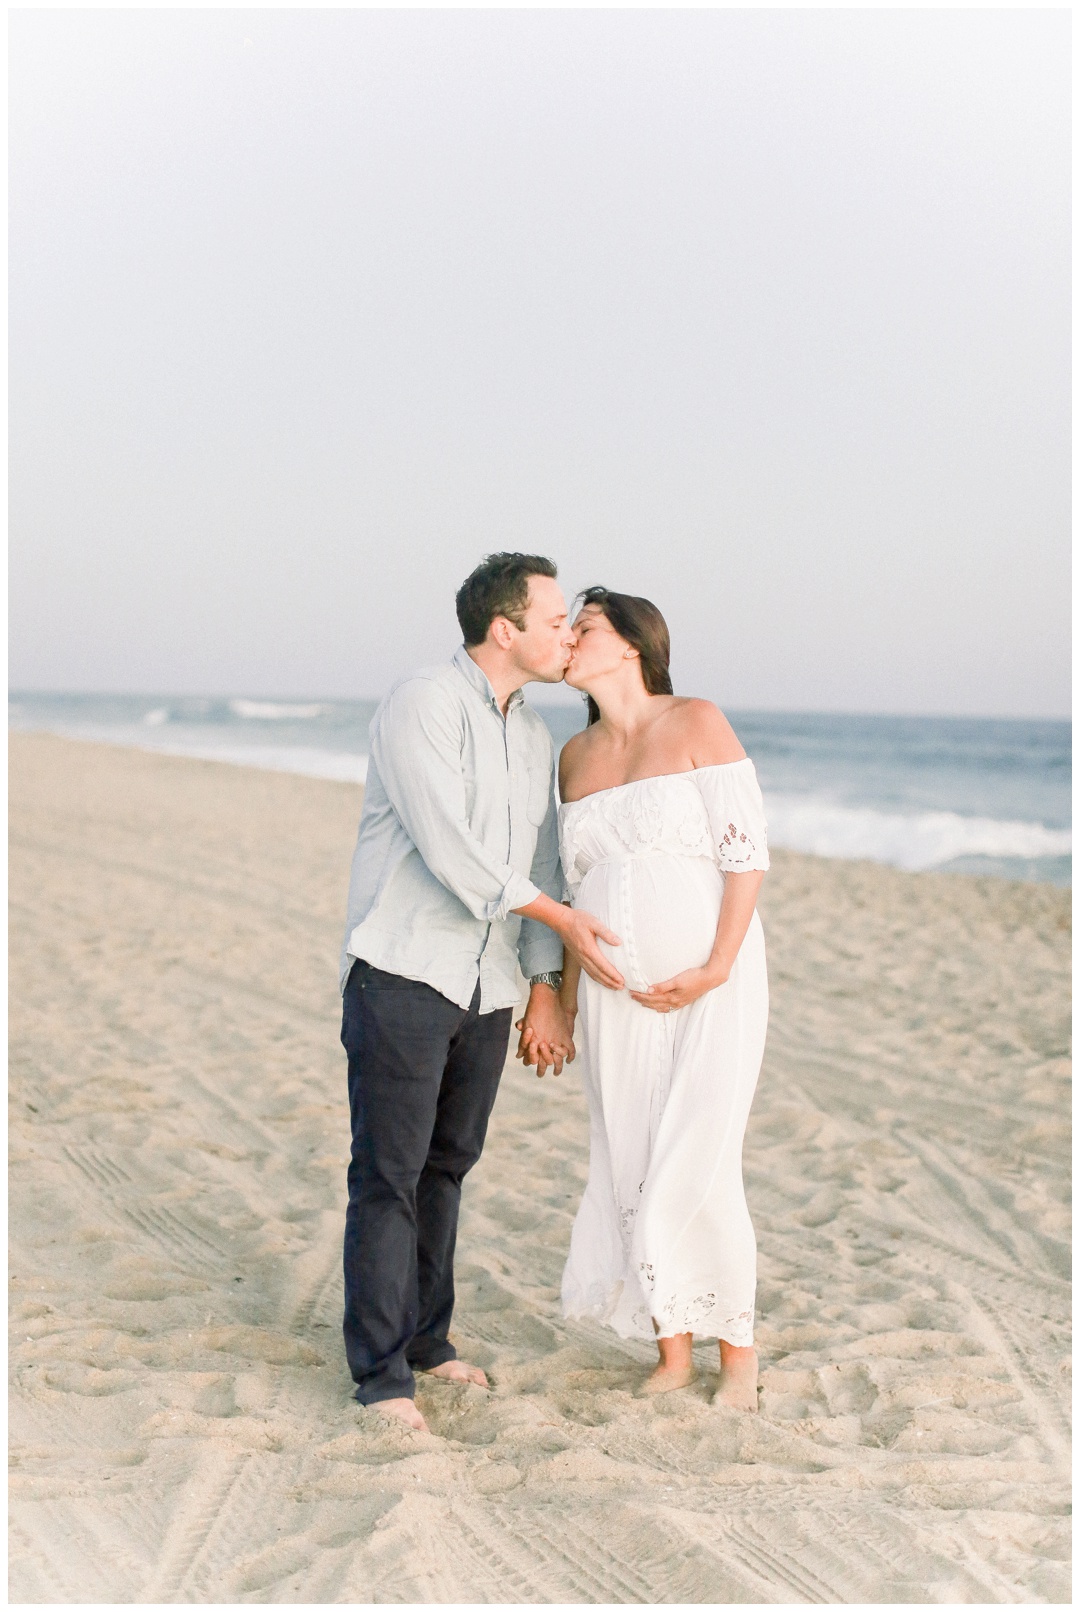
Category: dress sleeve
[736,816]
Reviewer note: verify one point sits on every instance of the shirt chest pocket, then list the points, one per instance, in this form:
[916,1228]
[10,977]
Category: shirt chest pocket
[539,797]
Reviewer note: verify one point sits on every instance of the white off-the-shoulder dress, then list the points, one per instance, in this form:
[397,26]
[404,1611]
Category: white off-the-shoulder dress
[663,1232]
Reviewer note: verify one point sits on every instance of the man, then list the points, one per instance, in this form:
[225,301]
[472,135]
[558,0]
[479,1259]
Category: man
[455,878]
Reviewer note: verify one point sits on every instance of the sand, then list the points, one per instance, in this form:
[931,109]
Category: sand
[181,1421]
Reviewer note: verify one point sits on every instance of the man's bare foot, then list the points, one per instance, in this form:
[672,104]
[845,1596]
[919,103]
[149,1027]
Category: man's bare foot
[738,1378]
[401,1410]
[665,1379]
[459,1371]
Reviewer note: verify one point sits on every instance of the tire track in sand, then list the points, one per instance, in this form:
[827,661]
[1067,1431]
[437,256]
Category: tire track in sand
[317,1273]
[568,1548]
[983,1219]
[186,1242]
[990,1325]
[199,1517]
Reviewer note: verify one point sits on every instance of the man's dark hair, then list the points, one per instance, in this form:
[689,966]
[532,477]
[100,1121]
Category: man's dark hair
[498,587]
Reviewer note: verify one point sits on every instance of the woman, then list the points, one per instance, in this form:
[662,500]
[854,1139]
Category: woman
[663,837]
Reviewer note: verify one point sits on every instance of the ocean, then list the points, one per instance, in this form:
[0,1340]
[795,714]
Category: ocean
[956,794]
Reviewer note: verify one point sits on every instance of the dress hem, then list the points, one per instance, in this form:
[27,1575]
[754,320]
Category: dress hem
[597,1313]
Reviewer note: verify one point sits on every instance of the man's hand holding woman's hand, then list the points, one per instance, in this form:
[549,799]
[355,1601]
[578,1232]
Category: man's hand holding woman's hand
[547,1027]
[547,1032]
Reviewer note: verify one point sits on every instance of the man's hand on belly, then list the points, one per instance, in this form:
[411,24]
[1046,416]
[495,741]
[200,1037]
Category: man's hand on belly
[579,933]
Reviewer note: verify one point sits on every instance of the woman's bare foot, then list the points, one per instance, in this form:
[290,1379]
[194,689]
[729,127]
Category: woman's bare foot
[676,1368]
[665,1379]
[459,1371]
[401,1410]
[738,1378]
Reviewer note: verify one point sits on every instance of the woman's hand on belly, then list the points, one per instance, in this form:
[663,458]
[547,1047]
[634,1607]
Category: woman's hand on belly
[682,989]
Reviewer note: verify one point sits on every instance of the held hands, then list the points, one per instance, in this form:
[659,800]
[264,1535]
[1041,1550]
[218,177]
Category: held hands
[683,989]
[547,1032]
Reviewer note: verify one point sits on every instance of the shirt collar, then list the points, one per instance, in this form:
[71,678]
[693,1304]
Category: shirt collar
[478,679]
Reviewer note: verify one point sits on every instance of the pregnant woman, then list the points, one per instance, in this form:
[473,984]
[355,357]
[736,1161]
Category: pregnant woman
[663,838]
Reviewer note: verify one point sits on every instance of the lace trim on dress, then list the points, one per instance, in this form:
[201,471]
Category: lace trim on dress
[694,813]
[736,848]
[639,823]
[627,1216]
[698,1313]
[687,1314]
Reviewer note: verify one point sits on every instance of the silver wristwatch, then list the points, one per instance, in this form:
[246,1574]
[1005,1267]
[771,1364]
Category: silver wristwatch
[554,979]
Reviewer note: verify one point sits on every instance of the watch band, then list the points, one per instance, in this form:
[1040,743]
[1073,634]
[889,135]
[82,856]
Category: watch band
[553,978]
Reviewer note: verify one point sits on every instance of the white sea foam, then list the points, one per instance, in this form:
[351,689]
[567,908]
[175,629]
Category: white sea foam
[915,841]
[267,711]
[340,766]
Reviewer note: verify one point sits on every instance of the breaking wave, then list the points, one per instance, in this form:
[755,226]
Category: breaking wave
[916,841]
[271,711]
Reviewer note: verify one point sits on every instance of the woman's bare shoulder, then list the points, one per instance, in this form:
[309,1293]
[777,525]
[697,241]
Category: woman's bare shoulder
[572,758]
[709,738]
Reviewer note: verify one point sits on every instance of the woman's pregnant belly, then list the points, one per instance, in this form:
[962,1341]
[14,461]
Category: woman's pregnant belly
[663,908]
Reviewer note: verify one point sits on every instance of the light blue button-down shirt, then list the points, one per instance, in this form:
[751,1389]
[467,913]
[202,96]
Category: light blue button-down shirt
[458,828]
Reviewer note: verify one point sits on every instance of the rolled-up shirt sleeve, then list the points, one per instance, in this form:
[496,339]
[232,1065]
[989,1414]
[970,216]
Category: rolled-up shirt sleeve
[416,746]
[540,950]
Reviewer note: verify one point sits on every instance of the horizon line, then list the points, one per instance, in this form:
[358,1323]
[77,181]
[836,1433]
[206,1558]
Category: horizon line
[373,699]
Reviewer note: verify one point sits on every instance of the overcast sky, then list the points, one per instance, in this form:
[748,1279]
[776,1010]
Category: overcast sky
[763,314]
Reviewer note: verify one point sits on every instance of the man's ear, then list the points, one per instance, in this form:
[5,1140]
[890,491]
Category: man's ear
[503,632]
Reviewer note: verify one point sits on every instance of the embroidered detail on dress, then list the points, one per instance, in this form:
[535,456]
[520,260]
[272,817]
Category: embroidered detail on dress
[648,1275]
[693,1310]
[689,830]
[734,839]
[687,1315]
[638,820]
[668,813]
[737,1330]
[627,1214]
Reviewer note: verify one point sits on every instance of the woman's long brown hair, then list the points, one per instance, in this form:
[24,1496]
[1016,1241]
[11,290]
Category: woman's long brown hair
[644,629]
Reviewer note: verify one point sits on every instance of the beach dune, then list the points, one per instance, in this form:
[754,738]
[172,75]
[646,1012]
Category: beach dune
[181,1423]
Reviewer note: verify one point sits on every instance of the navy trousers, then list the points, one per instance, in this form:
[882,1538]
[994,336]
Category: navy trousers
[423,1074]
